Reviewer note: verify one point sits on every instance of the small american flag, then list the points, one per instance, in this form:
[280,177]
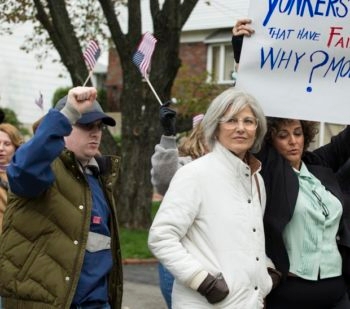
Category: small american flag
[143,55]
[91,54]
[40,101]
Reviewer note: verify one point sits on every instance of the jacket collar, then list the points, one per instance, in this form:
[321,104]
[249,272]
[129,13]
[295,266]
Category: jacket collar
[108,165]
[91,168]
[232,160]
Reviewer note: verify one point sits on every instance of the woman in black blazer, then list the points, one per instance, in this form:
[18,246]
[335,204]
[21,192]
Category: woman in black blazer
[306,218]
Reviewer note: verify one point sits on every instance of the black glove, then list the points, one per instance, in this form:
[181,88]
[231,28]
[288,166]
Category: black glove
[237,42]
[214,289]
[2,116]
[167,118]
[275,275]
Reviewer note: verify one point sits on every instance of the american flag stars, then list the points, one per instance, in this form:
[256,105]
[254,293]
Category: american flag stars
[143,55]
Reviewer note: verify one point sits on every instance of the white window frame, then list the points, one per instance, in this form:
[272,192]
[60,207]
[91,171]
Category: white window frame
[220,76]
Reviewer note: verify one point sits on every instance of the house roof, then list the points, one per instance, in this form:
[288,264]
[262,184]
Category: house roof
[207,15]
[216,14]
[219,36]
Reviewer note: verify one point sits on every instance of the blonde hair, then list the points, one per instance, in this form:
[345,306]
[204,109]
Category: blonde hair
[13,133]
[194,145]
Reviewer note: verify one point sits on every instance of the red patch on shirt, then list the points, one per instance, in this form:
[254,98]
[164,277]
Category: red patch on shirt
[96,220]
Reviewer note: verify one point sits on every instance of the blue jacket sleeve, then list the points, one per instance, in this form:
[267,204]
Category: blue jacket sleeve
[29,173]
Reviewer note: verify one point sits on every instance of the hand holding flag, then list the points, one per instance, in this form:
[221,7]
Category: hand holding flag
[143,56]
[91,54]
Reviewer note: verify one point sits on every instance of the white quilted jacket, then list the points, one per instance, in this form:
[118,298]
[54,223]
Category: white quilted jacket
[211,220]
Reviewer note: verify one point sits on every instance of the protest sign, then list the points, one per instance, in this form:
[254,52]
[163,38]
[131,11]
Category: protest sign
[297,64]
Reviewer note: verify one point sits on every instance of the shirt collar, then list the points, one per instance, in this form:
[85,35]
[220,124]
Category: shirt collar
[303,172]
[91,168]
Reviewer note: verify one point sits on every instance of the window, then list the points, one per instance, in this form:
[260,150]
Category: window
[221,64]
[326,131]
[99,80]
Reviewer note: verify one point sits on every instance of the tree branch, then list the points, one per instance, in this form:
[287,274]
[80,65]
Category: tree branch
[154,6]
[62,35]
[186,9]
[135,19]
[43,18]
[113,24]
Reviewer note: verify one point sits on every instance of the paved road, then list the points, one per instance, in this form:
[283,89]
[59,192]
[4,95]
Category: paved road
[141,287]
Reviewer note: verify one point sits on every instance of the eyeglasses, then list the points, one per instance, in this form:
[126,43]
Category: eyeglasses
[325,210]
[249,123]
[91,126]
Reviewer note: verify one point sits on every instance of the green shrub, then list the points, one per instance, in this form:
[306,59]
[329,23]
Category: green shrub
[102,99]
[59,94]
[11,117]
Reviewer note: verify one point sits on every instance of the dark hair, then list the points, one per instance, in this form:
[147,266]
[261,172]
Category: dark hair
[309,129]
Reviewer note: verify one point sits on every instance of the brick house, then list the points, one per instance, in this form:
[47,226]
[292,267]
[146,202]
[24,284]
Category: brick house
[205,44]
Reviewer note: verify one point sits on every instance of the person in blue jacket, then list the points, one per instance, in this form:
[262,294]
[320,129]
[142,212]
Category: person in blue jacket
[60,245]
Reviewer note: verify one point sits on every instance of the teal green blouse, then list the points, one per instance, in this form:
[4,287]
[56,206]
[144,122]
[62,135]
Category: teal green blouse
[310,236]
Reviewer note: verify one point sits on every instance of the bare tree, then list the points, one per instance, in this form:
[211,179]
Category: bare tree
[140,126]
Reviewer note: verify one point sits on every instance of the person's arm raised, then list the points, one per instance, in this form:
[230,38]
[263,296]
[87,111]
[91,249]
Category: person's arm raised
[30,172]
[241,28]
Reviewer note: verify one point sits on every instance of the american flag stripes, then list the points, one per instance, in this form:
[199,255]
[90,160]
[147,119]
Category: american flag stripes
[91,54]
[143,55]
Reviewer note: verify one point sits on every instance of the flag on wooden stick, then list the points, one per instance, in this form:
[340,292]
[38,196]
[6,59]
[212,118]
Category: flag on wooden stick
[40,101]
[143,55]
[91,54]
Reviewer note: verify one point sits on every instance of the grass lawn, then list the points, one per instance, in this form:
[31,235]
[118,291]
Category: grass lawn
[134,242]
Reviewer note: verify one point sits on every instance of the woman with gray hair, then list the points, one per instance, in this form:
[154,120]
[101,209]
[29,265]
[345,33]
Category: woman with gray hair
[208,230]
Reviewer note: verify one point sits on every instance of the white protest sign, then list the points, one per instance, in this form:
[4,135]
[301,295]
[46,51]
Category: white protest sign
[297,64]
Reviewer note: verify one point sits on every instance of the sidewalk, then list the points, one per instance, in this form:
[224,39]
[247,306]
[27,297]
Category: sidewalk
[141,287]
[141,282]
